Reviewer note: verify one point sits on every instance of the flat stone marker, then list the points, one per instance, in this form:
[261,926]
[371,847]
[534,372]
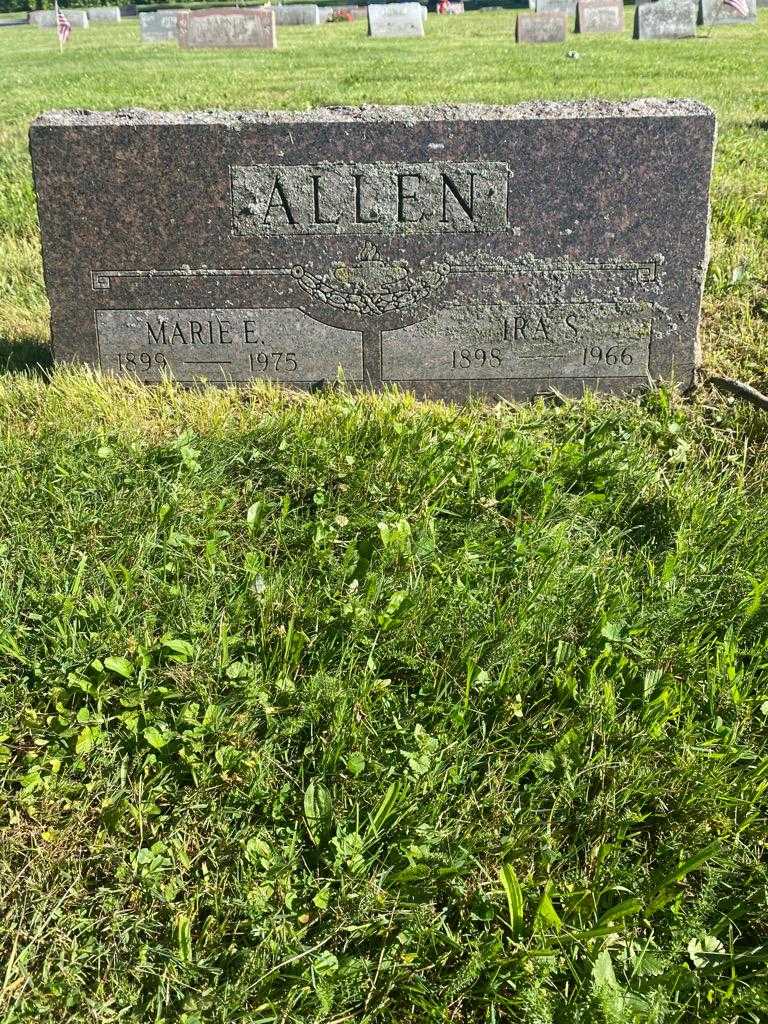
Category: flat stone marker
[228,28]
[104,13]
[448,250]
[599,16]
[297,14]
[540,28]
[160,26]
[395,21]
[666,19]
[567,7]
[717,12]
[47,19]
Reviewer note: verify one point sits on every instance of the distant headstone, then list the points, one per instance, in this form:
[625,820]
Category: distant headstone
[129,11]
[666,19]
[297,14]
[395,20]
[228,28]
[160,26]
[599,16]
[355,13]
[540,28]
[717,12]
[394,244]
[104,13]
[47,19]
[451,7]
[554,6]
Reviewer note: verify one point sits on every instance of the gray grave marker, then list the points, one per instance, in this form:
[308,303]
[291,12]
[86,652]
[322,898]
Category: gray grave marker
[160,26]
[540,28]
[104,14]
[599,16]
[716,12]
[438,248]
[47,19]
[395,21]
[567,7]
[666,19]
[228,28]
[297,14]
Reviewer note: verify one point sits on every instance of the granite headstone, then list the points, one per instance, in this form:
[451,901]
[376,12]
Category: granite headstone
[129,11]
[599,16]
[443,249]
[666,19]
[567,7]
[228,28]
[718,12]
[395,21]
[297,14]
[160,26]
[540,28]
[104,13]
[47,19]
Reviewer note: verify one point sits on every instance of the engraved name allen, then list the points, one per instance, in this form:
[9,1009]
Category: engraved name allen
[352,198]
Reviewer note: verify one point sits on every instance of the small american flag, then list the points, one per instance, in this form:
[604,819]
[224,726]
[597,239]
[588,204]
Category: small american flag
[740,6]
[63,27]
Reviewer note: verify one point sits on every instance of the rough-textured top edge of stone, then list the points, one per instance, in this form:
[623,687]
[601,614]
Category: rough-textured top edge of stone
[540,109]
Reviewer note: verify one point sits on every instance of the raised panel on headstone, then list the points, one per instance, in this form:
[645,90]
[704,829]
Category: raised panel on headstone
[104,14]
[440,249]
[666,19]
[593,16]
[718,12]
[160,26]
[297,14]
[540,28]
[395,21]
[228,28]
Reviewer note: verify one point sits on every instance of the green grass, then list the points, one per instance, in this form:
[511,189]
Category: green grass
[352,708]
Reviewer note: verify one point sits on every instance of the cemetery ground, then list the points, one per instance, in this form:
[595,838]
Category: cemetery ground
[354,708]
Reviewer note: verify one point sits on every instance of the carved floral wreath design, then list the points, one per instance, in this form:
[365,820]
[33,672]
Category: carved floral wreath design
[372,286]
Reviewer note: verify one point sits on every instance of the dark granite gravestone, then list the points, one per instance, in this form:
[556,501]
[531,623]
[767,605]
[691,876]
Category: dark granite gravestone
[449,250]
[717,12]
[228,28]
[666,19]
[540,28]
[599,16]
[129,11]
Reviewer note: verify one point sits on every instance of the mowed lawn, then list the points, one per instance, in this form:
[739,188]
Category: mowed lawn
[351,708]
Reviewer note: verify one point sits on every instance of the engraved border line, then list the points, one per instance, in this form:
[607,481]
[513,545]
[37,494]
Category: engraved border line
[101,280]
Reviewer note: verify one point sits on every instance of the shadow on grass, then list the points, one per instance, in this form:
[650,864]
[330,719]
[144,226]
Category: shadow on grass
[25,356]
